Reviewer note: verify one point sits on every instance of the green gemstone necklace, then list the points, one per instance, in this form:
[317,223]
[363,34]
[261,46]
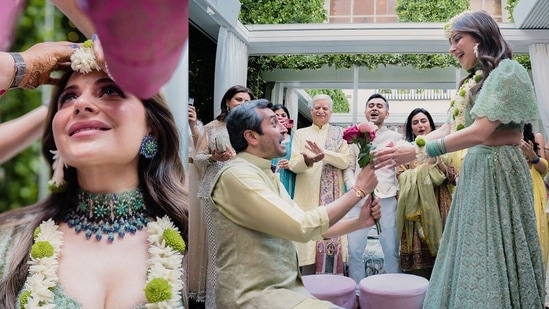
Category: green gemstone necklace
[108,214]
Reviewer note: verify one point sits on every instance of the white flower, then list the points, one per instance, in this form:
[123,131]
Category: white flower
[83,60]
[57,179]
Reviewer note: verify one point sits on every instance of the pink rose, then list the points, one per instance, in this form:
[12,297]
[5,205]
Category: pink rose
[350,134]
[367,127]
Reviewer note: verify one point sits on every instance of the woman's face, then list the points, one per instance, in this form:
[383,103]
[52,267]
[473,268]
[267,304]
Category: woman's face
[281,116]
[97,124]
[420,124]
[238,99]
[462,47]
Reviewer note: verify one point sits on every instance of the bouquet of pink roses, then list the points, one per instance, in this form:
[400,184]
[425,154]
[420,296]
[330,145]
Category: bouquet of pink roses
[362,135]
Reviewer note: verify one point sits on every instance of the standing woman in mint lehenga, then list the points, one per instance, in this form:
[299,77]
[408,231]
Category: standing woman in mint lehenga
[489,256]
[287,177]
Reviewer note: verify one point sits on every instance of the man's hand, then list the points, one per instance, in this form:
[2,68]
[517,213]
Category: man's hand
[318,153]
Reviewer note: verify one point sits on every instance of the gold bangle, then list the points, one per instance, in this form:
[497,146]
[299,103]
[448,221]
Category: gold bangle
[359,192]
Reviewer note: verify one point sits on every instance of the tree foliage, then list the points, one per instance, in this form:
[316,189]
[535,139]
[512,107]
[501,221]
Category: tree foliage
[282,11]
[429,10]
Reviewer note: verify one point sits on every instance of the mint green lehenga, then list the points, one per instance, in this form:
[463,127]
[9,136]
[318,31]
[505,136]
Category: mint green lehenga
[490,255]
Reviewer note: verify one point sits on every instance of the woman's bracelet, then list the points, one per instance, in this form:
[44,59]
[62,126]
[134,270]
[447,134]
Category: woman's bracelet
[436,148]
[536,160]
[359,192]
[20,69]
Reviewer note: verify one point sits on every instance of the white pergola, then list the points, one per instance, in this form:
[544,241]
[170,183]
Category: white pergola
[218,19]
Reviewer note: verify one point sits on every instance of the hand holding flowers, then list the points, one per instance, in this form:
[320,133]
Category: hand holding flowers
[362,135]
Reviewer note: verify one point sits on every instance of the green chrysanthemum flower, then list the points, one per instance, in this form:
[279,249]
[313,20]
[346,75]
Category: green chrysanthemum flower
[158,290]
[478,78]
[420,141]
[36,232]
[462,92]
[459,127]
[24,299]
[452,103]
[456,112]
[56,188]
[41,249]
[88,44]
[174,240]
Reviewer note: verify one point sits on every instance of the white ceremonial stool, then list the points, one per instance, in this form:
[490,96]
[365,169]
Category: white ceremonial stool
[392,291]
[337,289]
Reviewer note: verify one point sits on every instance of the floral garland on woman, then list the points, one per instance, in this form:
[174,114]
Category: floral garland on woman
[164,272]
[461,101]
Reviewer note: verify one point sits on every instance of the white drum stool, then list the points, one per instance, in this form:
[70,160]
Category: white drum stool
[392,291]
[337,289]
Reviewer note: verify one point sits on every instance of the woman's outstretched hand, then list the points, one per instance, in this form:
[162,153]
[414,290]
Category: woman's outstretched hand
[394,156]
[42,59]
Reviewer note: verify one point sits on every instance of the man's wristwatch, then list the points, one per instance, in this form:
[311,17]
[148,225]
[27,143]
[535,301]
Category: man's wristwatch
[359,192]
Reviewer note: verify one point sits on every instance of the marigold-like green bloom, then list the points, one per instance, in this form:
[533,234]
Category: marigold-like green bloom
[88,44]
[456,112]
[158,290]
[174,240]
[36,232]
[41,249]
[462,92]
[459,127]
[24,299]
[420,141]
[478,78]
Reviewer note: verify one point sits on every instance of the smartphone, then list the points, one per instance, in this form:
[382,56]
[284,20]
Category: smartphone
[220,144]
[191,101]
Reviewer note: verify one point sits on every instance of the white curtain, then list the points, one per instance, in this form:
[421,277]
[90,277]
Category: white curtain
[539,56]
[231,65]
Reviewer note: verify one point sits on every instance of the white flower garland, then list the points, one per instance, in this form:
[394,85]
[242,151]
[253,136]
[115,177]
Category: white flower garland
[83,59]
[461,101]
[164,273]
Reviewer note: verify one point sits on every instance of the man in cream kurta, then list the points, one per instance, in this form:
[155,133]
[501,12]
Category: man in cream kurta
[308,176]
[256,222]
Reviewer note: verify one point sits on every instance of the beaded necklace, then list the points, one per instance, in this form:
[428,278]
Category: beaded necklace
[109,214]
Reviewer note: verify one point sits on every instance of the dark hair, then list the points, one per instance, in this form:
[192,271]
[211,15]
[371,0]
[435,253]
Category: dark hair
[492,48]
[161,179]
[378,96]
[229,94]
[528,136]
[410,136]
[282,107]
[245,117]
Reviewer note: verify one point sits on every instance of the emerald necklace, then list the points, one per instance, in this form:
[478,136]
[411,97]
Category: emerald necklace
[110,214]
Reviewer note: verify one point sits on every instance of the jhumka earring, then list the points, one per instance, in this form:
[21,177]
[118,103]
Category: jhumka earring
[149,147]
[475,50]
